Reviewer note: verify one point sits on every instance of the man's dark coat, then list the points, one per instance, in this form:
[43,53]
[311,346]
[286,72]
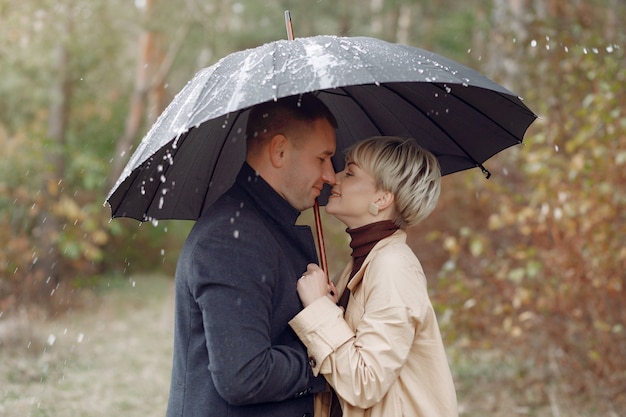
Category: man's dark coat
[234,353]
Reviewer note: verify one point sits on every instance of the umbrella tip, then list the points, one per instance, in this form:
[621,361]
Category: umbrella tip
[289,25]
[485,171]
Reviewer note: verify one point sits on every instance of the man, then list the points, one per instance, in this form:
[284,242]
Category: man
[234,353]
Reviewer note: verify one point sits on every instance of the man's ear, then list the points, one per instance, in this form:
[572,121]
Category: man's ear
[278,146]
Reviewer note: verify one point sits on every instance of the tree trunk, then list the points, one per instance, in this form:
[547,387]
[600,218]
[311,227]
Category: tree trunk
[405,23]
[509,31]
[46,275]
[137,101]
[148,98]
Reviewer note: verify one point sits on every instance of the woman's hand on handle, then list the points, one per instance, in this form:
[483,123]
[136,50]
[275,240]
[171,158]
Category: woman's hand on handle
[313,284]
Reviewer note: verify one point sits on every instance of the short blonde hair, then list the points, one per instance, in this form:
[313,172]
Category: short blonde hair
[402,167]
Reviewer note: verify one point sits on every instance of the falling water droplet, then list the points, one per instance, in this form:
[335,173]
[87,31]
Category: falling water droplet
[236,234]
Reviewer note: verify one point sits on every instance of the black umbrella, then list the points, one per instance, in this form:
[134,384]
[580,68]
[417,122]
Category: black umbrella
[193,152]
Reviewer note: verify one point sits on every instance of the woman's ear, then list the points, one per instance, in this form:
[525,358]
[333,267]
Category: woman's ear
[385,200]
[277,150]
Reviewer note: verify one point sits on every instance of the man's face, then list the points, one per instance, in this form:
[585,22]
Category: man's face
[308,165]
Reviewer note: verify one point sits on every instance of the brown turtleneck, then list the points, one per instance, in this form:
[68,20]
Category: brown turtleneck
[363,240]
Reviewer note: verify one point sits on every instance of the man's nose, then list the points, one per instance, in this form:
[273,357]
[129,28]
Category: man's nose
[328,176]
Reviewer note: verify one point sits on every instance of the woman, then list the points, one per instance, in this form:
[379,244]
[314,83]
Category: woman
[385,356]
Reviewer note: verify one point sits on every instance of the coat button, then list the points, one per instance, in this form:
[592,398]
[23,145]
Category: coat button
[312,362]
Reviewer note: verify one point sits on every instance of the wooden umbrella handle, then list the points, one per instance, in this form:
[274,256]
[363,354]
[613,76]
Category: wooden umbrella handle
[320,238]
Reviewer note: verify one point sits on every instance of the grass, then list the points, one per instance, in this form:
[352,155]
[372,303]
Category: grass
[112,357]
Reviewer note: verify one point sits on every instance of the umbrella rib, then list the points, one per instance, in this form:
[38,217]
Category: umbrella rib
[232,125]
[388,87]
[505,96]
[444,131]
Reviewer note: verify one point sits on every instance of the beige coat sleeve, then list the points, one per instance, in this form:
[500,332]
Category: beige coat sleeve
[363,356]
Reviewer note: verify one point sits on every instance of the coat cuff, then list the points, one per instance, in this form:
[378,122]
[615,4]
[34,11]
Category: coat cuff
[322,329]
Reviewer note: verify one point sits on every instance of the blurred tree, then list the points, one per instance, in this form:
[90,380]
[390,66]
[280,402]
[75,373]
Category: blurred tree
[538,270]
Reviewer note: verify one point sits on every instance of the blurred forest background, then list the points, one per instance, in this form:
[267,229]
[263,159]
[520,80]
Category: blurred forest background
[526,269]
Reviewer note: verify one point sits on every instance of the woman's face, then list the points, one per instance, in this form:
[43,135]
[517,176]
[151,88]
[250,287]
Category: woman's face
[351,195]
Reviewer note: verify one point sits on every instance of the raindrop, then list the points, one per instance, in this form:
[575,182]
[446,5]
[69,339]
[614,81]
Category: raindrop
[556,148]
[51,339]
[609,49]
[505,171]
[533,43]
[236,234]
[162,252]
[154,222]
[80,337]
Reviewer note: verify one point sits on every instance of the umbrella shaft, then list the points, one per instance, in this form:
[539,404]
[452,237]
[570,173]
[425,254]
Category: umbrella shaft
[320,237]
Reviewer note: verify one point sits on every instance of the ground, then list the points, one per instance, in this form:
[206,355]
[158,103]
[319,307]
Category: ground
[112,357]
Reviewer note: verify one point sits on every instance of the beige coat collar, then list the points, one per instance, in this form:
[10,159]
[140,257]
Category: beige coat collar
[399,236]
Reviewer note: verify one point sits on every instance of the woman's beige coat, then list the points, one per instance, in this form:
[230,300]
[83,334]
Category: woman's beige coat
[386,358]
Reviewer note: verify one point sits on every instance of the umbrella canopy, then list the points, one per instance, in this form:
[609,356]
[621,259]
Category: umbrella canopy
[193,152]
